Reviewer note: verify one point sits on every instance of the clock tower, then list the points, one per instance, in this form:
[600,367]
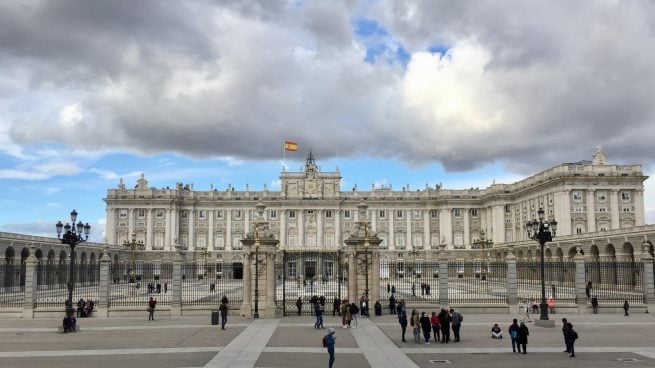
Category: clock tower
[311,183]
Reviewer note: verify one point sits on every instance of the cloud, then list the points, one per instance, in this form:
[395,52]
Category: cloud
[527,85]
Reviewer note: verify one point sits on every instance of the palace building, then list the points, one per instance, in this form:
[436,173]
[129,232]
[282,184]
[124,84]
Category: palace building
[310,212]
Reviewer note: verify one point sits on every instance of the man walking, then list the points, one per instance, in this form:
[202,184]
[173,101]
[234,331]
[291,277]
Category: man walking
[152,303]
[626,307]
[514,335]
[223,310]
[329,343]
[571,336]
[456,323]
[565,330]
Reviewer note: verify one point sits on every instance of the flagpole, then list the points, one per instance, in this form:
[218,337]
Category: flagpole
[284,155]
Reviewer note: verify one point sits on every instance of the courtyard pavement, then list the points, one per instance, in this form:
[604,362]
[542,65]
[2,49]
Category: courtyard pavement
[609,340]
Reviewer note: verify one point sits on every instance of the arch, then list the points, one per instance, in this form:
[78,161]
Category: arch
[559,254]
[529,254]
[38,254]
[628,252]
[610,251]
[594,253]
[62,257]
[520,254]
[10,254]
[548,254]
[51,256]
[572,252]
[24,254]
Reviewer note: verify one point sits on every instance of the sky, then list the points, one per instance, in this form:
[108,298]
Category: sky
[401,93]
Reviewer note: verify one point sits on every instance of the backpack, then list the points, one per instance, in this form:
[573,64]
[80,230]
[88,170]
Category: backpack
[411,321]
[324,341]
[354,309]
[514,334]
[575,335]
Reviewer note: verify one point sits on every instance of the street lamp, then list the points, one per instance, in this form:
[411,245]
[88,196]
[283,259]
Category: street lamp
[73,235]
[260,214]
[363,221]
[543,232]
[132,246]
[483,244]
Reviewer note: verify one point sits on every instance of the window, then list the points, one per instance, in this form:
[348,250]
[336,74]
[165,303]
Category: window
[601,196]
[202,214]
[184,214]
[602,209]
[219,214]
[457,212]
[400,241]
[292,214]
[291,267]
[474,212]
[141,213]
[417,215]
[159,214]
[578,209]
[382,214]
[578,230]
[399,214]
[508,208]
[577,197]
[346,214]
[458,239]
[219,241]
[272,214]
[310,212]
[625,196]
[122,214]
[418,241]
[292,240]
[627,209]
[434,213]
[328,214]
[237,214]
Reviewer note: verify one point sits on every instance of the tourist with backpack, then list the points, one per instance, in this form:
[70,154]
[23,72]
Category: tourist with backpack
[354,310]
[328,342]
[514,335]
[570,337]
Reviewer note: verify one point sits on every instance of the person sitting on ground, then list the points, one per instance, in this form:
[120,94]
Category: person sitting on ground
[496,332]
[70,324]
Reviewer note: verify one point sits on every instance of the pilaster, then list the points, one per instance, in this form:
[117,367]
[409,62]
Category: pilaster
[648,282]
[103,305]
[29,303]
[580,281]
[176,287]
[512,288]
[443,279]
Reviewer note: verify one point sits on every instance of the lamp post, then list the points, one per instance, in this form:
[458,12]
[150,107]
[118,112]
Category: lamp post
[363,221]
[483,244]
[543,232]
[132,246]
[260,214]
[73,235]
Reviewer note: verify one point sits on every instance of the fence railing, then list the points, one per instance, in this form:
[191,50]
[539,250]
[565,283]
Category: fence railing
[477,282]
[559,281]
[615,282]
[132,287]
[12,290]
[205,284]
[412,281]
[52,284]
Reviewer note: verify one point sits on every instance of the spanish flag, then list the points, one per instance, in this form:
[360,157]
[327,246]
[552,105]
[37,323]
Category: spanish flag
[290,146]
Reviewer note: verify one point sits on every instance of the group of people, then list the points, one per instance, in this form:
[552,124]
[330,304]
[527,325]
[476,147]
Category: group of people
[519,333]
[436,326]
[156,288]
[85,308]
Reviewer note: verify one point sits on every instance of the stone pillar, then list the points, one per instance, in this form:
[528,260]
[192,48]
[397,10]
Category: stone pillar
[614,208]
[283,229]
[426,229]
[130,221]
[639,207]
[176,287]
[352,277]
[512,288]
[110,226]
[391,241]
[210,233]
[246,305]
[580,281]
[269,303]
[149,229]
[591,211]
[648,282]
[105,284]
[443,279]
[29,303]
[191,245]
[467,230]
[375,281]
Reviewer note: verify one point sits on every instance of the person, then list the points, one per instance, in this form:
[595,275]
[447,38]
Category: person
[299,304]
[496,332]
[403,325]
[527,311]
[434,322]
[392,305]
[224,299]
[594,304]
[318,312]
[416,325]
[330,340]
[151,309]
[626,307]
[223,309]
[165,287]
[514,335]
[565,329]
[444,322]
[70,324]
[345,314]
[552,289]
[336,304]
[363,301]
[80,308]
[378,308]
[456,321]
[551,304]
[535,306]
[388,288]
[89,308]
[400,308]
[571,336]
[426,327]
[413,289]
[393,289]
[353,313]
[587,289]
[523,337]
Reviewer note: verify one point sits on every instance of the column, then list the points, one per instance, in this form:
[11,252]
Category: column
[467,228]
[283,228]
[498,224]
[562,204]
[580,282]
[149,229]
[301,228]
[446,226]
[228,231]
[426,229]
[130,220]
[374,220]
[337,227]
[105,284]
[246,218]
[168,230]
[192,229]
[110,227]
[512,288]
[639,207]
[352,278]
[591,211]
[614,203]
[391,242]
[488,220]
[443,279]
[210,233]
[269,302]
[648,282]
[320,242]
[175,231]
[246,305]
[30,285]
[176,286]
[374,287]
[408,227]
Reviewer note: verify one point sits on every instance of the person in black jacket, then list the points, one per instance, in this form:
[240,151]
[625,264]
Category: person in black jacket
[403,324]
[514,336]
[571,336]
[426,327]
[523,336]
[444,323]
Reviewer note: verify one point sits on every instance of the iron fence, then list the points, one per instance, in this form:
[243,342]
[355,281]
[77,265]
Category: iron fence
[559,281]
[132,287]
[615,282]
[12,293]
[477,282]
[304,275]
[416,281]
[205,284]
[52,284]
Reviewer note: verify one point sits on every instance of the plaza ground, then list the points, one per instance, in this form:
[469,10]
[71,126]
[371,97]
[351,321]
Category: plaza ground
[609,340]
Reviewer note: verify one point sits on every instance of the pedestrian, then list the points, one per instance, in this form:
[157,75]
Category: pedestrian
[496,332]
[400,308]
[392,305]
[413,289]
[426,327]
[151,309]
[552,289]
[345,314]
[565,329]
[224,299]
[626,307]
[299,304]
[523,337]
[330,340]
[223,309]
[588,289]
[393,289]
[514,336]
[378,308]
[354,310]
[444,322]
[416,326]
[388,288]
[456,321]
[571,336]
[403,325]
[336,310]
[527,311]
[165,287]
[434,322]
[318,313]
[594,304]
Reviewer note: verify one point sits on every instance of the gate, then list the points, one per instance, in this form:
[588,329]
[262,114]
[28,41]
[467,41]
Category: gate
[302,275]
